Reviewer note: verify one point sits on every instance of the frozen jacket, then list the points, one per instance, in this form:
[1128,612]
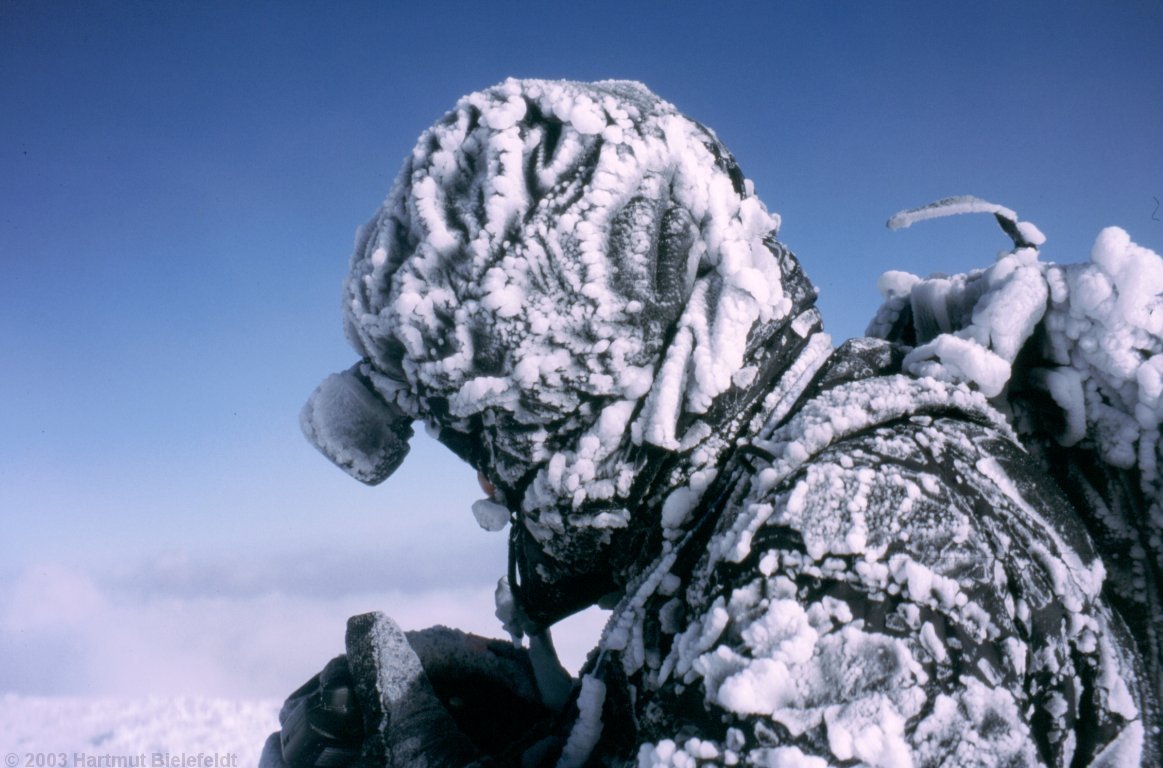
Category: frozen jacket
[815,556]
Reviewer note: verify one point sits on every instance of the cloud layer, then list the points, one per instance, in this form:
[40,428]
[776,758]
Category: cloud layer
[180,626]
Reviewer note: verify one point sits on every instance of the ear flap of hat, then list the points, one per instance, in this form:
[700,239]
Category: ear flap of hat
[357,429]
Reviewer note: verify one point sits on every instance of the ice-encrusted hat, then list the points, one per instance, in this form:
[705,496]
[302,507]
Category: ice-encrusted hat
[561,270]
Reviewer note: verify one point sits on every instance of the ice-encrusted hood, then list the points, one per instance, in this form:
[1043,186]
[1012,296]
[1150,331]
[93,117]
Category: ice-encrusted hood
[569,283]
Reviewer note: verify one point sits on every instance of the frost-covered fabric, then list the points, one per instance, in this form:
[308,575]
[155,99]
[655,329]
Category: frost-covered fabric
[889,581]
[816,556]
[573,284]
[1074,353]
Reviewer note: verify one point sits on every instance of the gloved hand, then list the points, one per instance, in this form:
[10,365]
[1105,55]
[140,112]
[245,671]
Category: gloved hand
[322,724]
[437,697]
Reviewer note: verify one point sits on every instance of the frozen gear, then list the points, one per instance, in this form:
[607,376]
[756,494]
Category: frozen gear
[1074,353]
[816,556]
[888,580]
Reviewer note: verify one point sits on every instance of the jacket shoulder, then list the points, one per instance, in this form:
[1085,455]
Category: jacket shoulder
[913,590]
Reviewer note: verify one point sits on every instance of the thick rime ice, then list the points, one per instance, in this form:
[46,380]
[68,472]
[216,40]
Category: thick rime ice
[1023,232]
[354,428]
[536,248]
[895,570]
[584,735]
[815,556]
[565,279]
[1074,353]
[490,515]
[896,599]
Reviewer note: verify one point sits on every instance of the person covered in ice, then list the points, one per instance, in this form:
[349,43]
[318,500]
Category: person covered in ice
[813,555]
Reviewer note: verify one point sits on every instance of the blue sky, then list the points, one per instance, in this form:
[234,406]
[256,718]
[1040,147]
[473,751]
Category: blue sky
[179,188]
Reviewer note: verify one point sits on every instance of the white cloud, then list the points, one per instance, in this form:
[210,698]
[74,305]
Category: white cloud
[64,631]
[51,595]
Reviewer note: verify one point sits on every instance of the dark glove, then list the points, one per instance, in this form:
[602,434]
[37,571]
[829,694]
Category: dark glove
[322,725]
[377,706]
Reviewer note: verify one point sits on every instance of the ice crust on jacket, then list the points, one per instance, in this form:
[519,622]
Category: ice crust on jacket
[895,590]
[1085,395]
[566,273]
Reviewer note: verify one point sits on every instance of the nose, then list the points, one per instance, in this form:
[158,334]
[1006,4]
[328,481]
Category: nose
[486,486]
